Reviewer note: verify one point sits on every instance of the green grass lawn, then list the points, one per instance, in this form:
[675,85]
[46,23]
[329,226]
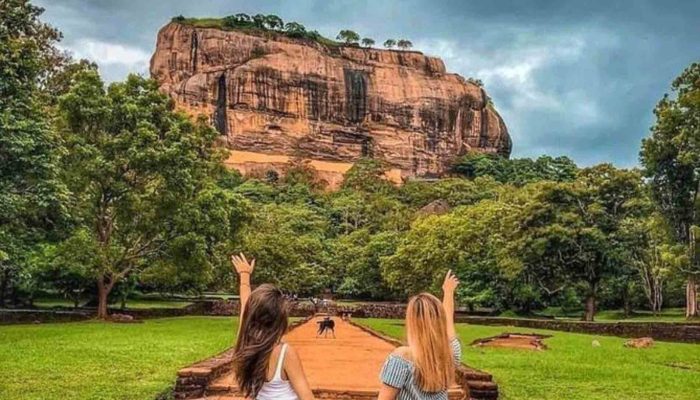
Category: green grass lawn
[95,360]
[573,369]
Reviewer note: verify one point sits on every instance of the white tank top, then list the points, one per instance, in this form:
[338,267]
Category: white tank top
[277,388]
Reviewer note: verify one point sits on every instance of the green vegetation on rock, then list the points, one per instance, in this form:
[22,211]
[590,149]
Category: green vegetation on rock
[258,25]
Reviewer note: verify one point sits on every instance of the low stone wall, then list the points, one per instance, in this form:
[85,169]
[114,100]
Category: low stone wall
[192,382]
[373,310]
[13,316]
[477,385]
[66,314]
[666,331]
[306,309]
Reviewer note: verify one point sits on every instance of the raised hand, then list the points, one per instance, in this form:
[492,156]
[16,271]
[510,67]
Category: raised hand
[450,283]
[241,264]
[448,302]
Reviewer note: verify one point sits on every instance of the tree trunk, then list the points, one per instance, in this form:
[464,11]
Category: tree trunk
[589,313]
[626,303]
[103,290]
[655,301]
[691,298]
[3,288]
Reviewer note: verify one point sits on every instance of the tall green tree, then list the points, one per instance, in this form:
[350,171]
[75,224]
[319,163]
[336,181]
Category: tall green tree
[294,29]
[654,254]
[258,20]
[404,44]
[471,241]
[348,37]
[368,42]
[31,195]
[290,247]
[143,183]
[273,22]
[671,158]
[367,175]
[571,232]
[355,263]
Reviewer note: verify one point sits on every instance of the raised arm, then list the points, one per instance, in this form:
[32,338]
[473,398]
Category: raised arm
[244,269]
[448,302]
[296,375]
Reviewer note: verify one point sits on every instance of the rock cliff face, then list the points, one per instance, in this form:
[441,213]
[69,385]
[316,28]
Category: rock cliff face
[274,98]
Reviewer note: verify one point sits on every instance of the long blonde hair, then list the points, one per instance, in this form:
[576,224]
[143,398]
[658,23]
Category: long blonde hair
[426,330]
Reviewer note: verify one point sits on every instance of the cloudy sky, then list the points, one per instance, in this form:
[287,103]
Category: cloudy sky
[576,78]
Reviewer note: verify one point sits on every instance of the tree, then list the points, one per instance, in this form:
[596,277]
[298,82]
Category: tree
[289,244]
[258,20]
[404,44]
[356,258]
[455,191]
[31,195]
[671,158]
[273,22]
[470,240]
[367,175]
[243,18]
[143,183]
[476,81]
[653,254]
[368,42]
[571,232]
[294,29]
[390,43]
[518,171]
[348,37]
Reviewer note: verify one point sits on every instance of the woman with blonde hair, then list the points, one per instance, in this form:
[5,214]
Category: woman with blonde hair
[425,369]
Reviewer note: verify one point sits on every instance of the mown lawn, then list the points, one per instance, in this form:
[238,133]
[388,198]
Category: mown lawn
[573,369]
[95,360]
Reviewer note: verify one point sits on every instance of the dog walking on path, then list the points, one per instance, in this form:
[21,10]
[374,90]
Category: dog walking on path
[325,326]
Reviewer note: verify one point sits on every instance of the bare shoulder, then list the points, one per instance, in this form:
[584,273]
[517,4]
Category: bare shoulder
[290,348]
[403,352]
[291,353]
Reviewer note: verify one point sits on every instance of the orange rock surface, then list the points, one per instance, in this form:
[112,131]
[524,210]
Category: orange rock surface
[274,98]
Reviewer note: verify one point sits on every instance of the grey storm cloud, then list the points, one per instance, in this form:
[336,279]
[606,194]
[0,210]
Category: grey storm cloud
[575,78]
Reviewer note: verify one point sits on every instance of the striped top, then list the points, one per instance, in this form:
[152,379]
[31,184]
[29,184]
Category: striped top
[398,373]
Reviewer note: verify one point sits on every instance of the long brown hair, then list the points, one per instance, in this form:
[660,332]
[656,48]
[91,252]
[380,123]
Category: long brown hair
[426,329]
[262,327]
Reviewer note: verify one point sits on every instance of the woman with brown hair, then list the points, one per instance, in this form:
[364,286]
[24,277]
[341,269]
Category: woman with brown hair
[266,368]
[425,369]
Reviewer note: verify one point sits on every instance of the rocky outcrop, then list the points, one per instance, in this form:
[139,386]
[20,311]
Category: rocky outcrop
[273,98]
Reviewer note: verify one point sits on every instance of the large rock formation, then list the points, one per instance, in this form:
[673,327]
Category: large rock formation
[274,98]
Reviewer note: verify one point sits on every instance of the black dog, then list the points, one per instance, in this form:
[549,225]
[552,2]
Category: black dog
[325,326]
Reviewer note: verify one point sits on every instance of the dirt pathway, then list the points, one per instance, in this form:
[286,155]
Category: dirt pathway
[350,362]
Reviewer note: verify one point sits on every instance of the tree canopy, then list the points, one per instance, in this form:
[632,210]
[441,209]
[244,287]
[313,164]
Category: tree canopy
[671,158]
[143,183]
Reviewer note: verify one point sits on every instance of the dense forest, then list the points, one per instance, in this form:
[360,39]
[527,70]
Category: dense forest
[105,189]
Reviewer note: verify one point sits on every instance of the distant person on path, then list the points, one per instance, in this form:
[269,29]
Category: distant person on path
[425,369]
[266,368]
